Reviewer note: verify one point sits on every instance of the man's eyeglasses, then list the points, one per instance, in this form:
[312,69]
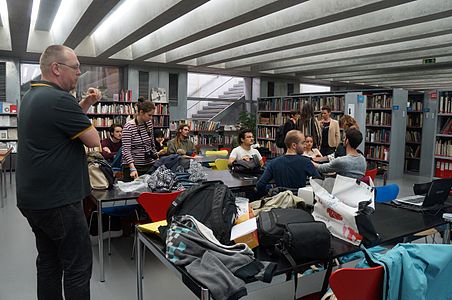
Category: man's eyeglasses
[76,67]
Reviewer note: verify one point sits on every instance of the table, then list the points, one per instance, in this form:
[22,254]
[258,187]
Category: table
[5,154]
[390,222]
[234,182]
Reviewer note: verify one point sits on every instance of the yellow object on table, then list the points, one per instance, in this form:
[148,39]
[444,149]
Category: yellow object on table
[153,227]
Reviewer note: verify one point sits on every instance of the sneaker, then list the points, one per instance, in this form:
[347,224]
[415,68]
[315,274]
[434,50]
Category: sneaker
[114,234]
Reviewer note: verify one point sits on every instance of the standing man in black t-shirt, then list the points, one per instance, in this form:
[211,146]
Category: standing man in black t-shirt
[52,174]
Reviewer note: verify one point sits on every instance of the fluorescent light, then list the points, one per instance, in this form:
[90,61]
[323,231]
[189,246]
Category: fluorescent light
[4,14]
[119,13]
[63,12]
[34,14]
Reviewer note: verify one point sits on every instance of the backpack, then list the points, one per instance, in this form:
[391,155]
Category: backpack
[101,174]
[211,203]
[280,136]
[294,231]
[252,166]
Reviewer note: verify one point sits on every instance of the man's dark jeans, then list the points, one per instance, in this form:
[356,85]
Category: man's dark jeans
[64,252]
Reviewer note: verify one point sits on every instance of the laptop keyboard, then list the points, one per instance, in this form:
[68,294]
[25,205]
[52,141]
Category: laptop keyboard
[413,199]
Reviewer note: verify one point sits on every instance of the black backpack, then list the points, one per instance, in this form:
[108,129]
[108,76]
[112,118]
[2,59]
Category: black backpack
[292,231]
[211,203]
[251,166]
[280,136]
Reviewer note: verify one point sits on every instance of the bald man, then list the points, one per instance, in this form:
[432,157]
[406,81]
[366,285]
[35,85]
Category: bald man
[52,174]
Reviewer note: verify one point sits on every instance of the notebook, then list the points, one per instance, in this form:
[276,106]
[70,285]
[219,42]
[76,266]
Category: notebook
[436,195]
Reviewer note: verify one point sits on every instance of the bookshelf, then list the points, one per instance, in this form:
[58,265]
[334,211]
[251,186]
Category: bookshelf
[413,136]
[8,126]
[207,134]
[273,112]
[105,113]
[442,151]
[385,128]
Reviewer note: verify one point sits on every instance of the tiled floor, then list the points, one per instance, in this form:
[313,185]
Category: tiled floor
[18,271]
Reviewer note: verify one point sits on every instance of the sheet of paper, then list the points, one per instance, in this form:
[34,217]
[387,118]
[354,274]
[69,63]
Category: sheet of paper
[243,228]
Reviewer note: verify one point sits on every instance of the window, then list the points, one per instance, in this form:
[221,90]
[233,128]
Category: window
[173,86]
[143,84]
[270,88]
[290,89]
[2,81]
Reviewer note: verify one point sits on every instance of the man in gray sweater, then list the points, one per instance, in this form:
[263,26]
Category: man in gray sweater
[351,165]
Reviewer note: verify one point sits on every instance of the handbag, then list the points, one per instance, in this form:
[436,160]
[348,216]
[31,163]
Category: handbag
[247,166]
[346,210]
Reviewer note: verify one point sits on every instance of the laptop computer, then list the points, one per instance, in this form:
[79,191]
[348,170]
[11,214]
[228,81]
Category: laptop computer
[436,195]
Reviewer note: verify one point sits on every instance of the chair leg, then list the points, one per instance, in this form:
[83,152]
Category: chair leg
[134,238]
[109,235]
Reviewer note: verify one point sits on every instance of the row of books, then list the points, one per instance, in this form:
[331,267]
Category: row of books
[447,127]
[413,151]
[161,109]
[7,145]
[8,108]
[266,132]
[443,169]
[8,134]
[8,120]
[272,147]
[294,103]
[336,103]
[379,101]
[161,121]
[413,136]
[443,147]
[270,104]
[195,125]
[378,135]
[415,120]
[378,118]
[377,152]
[415,106]
[101,108]
[108,121]
[209,139]
[123,95]
[445,104]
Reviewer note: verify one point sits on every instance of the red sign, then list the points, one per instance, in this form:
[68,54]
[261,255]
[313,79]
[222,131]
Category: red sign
[433,95]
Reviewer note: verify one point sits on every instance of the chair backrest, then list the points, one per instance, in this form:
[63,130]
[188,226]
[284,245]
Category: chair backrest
[371,173]
[352,284]
[365,179]
[156,204]
[223,153]
[386,193]
[221,164]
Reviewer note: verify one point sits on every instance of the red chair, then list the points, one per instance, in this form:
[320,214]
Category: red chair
[156,204]
[371,173]
[352,284]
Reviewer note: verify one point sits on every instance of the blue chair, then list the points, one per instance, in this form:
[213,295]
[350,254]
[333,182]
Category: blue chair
[386,193]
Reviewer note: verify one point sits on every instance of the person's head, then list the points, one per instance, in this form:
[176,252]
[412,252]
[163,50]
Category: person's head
[294,115]
[309,142]
[60,65]
[159,136]
[353,138]
[246,137]
[326,112]
[347,121]
[307,111]
[183,131]
[145,109]
[116,131]
[295,141]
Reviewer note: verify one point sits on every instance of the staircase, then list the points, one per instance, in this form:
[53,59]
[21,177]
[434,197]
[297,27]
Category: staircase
[214,107]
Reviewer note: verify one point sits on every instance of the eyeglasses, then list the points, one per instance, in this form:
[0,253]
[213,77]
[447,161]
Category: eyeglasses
[76,67]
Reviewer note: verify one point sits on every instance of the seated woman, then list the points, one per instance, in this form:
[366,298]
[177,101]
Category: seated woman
[308,150]
[182,144]
[160,143]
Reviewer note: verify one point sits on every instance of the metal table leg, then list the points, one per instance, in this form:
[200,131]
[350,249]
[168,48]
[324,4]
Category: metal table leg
[11,168]
[139,265]
[100,240]
[205,294]
[446,236]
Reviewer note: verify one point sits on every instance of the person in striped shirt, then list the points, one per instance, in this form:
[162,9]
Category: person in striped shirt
[138,145]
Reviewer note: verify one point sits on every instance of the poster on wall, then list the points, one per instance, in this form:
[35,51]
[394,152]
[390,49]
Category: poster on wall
[159,95]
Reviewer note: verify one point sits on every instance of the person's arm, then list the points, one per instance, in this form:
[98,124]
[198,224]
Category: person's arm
[330,167]
[233,156]
[259,157]
[90,137]
[93,95]
[311,170]
[261,185]
[127,150]
[106,151]
[151,135]
[337,134]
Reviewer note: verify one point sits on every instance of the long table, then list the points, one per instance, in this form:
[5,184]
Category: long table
[391,223]
[99,197]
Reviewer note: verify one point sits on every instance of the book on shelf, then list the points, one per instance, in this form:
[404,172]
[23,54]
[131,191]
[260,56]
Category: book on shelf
[125,96]
[273,104]
[12,133]
[379,101]
[3,134]
[378,135]
[443,168]
[414,105]
[415,120]
[443,147]
[377,152]
[8,120]
[447,127]
[413,136]
[413,151]
[445,104]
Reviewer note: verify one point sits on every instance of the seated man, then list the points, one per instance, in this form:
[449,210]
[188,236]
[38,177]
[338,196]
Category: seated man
[244,151]
[112,144]
[182,144]
[290,170]
[351,165]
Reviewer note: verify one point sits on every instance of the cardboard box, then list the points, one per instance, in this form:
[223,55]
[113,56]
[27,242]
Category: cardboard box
[245,230]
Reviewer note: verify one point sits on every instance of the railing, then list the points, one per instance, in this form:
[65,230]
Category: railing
[207,96]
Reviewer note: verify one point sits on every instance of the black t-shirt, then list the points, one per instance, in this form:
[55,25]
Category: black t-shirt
[51,161]
[325,129]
